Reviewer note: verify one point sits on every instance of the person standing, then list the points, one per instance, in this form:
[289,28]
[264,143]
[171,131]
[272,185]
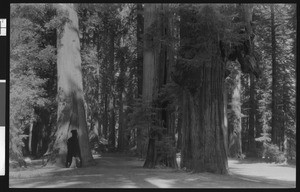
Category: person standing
[73,149]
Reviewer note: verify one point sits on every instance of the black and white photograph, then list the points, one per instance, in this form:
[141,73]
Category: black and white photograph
[152,95]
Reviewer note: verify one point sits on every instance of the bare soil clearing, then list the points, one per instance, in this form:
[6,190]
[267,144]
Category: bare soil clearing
[118,171]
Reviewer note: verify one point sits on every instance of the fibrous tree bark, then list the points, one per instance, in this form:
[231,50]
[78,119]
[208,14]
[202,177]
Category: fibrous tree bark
[203,146]
[162,56]
[150,56]
[141,134]
[246,17]
[71,109]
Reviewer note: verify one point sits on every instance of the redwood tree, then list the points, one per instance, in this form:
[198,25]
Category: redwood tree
[71,109]
[200,72]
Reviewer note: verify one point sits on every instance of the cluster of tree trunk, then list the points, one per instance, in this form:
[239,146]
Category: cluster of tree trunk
[204,135]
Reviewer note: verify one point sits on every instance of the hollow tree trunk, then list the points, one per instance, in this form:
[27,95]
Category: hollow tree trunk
[71,109]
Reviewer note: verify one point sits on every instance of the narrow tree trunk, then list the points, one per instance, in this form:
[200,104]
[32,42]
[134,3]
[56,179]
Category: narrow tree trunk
[121,123]
[140,31]
[179,131]
[71,109]
[30,138]
[274,131]
[112,131]
[112,123]
[235,123]
[225,111]
[251,132]
[121,85]
[105,116]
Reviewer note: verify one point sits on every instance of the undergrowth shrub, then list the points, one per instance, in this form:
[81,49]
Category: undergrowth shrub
[271,153]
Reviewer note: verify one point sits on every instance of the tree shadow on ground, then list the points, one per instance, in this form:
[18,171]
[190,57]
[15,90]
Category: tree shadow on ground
[127,172]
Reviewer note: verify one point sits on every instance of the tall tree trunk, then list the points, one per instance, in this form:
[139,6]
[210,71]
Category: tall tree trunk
[112,131]
[251,131]
[162,57]
[285,99]
[112,123]
[274,131]
[234,122]
[149,79]
[30,147]
[150,59]
[121,124]
[141,134]
[98,92]
[71,109]
[225,126]
[203,147]
[122,137]
[167,60]
[179,131]
[140,32]
[105,114]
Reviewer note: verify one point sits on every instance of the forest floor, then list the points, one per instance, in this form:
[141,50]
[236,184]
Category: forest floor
[120,171]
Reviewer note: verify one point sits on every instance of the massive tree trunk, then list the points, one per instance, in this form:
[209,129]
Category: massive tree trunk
[162,57]
[203,147]
[167,60]
[150,59]
[234,121]
[71,109]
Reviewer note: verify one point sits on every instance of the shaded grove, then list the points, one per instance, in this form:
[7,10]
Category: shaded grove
[157,81]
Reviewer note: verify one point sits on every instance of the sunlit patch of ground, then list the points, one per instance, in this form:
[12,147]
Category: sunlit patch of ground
[266,171]
[115,171]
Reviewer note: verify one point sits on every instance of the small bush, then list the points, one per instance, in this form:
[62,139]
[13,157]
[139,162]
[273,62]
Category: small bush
[271,153]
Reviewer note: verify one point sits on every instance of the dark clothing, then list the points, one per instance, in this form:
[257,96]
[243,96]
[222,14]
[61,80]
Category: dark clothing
[73,150]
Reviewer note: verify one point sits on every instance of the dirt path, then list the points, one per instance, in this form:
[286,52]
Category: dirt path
[127,172]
